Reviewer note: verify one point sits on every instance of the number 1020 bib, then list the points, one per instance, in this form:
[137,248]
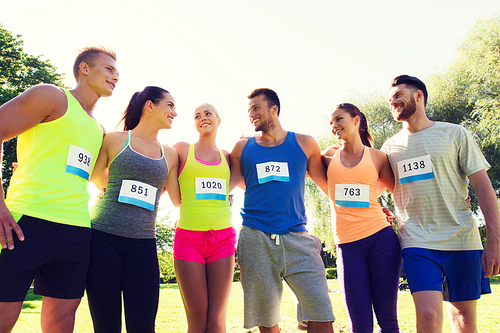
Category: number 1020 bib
[210,188]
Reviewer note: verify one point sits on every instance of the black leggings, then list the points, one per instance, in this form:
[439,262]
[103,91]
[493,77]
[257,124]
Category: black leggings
[128,265]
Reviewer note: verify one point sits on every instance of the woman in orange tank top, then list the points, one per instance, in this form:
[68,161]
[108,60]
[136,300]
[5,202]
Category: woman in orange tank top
[368,250]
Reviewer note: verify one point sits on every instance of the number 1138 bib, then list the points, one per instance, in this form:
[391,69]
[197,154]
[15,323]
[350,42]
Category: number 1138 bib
[415,169]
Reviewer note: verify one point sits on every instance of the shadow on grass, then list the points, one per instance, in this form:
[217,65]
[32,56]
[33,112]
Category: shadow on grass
[495,280]
[30,298]
[169,286]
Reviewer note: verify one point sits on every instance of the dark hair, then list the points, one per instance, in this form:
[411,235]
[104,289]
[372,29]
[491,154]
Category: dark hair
[269,95]
[133,112]
[88,55]
[412,82]
[353,111]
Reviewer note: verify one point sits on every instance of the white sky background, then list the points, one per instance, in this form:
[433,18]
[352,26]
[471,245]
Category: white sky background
[312,53]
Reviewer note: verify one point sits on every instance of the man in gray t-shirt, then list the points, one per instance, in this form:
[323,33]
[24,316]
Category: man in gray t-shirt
[432,162]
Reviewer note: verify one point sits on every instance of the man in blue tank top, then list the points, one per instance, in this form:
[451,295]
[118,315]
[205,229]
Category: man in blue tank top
[273,242]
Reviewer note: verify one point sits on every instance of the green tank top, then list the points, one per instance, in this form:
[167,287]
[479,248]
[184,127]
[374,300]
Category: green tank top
[55,161]
[204,191]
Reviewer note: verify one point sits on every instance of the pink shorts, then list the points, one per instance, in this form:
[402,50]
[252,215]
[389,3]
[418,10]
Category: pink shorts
[204,246]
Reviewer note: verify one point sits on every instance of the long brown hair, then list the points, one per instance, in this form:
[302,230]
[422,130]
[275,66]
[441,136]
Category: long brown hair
[353,111]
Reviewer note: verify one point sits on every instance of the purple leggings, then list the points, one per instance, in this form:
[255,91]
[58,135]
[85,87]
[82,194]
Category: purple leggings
[368,271]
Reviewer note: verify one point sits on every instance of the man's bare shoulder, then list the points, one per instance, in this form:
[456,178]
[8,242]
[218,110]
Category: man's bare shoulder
[47,92]
[305,138]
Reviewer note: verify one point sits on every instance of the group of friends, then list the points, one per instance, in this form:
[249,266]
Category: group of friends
[48,234]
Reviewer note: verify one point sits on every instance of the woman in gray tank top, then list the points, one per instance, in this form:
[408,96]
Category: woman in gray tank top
[123,257]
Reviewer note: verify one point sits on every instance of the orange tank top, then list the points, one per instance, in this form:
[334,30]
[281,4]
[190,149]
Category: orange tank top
[356,213]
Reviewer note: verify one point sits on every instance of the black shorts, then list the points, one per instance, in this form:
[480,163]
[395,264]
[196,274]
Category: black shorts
[55,255]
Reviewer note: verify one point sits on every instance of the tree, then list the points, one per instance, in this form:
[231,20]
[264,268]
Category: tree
[468,91]
[164,244]
[18,72]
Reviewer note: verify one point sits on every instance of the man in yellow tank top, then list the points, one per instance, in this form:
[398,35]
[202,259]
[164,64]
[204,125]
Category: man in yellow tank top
[44,221]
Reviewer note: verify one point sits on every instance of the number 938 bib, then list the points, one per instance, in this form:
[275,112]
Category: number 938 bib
[79,162]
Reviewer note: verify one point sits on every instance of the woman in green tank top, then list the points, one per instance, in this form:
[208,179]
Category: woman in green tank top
[204,242]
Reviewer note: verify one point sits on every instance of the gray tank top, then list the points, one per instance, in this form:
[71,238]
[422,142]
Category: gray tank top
[129,207]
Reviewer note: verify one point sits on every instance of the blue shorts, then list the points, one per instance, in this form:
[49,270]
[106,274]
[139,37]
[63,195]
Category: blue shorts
[56,255]
[458,274]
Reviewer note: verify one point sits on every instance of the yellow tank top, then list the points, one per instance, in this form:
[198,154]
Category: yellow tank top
[55,161]
[204,191]
[356,213]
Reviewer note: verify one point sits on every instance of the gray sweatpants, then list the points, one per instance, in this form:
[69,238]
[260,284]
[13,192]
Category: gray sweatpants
[265,260]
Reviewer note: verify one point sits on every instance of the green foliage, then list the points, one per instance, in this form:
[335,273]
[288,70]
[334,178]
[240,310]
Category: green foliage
[331,273]
[166,263]
[18,72]
[164,232]
[468,91]
[236,276]
[164,244]
[482,233]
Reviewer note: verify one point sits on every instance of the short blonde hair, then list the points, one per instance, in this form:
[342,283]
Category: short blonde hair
[88,55]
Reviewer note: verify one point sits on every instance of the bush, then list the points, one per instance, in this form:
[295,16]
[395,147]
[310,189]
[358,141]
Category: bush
[166,264]
[236,276]
[167,279]
[331,273]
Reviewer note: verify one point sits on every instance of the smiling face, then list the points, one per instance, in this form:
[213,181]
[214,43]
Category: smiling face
[260,113]
[206,118]
[165,110]
[102,75]
[402,102]
[343,125]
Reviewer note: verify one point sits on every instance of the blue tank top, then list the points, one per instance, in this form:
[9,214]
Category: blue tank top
[274,180]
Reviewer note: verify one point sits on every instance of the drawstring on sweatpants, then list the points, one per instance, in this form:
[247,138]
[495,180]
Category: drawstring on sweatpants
[276,238]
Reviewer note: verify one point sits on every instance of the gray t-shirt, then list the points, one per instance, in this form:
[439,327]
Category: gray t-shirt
[430,169]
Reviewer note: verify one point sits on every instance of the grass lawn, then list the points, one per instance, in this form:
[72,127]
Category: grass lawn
[171,316]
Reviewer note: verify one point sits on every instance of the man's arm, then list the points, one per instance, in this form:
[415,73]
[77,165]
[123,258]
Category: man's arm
[489,207]
[315,167]
[235,157]
[35,105]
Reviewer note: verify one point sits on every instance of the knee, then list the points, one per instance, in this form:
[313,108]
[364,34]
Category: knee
[428,317]
[216,324]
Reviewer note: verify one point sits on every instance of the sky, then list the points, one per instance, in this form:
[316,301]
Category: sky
[314,53]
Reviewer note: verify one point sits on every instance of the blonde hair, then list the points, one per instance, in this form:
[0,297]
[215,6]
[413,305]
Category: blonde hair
[88,55]
[210,106]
